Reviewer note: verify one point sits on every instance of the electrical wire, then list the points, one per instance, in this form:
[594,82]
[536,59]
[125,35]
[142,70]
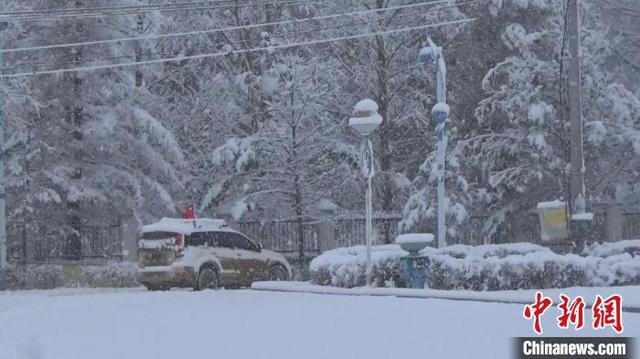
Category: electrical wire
[276,35]
[116,7]
[231,28]
[8,18]
[226,53]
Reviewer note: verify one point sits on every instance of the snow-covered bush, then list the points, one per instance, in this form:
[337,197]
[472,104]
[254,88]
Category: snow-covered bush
[631,247]
[532,270]
[346,267]
[489,267]
[492,250]
[48,276]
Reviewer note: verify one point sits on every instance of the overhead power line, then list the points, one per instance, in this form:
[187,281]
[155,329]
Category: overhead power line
[177,7]
[231,28]
[226,53]
[318,28]
[115,7]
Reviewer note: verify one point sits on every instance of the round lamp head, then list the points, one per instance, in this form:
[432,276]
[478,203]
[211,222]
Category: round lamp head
[365,117]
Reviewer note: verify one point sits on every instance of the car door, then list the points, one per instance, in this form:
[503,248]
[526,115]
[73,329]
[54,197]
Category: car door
[248,259]
[223,248]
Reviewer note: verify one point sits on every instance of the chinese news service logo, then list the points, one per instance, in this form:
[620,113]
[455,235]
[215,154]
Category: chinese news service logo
[605,312]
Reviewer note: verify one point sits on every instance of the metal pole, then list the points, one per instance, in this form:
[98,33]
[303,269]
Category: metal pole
[369,233]
[440,157]
[368,171]
[367,110]
[3,219]
[575,110]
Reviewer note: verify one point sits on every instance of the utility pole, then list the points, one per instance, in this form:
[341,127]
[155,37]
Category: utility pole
[140,31]
[3,218]
[581,221]
[74,247]
[576,185]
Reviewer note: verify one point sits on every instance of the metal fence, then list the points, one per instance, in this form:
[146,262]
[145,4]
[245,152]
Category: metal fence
[350,232]
[41,242]
[473,232]
[631,225]
[528,230]
[281,236]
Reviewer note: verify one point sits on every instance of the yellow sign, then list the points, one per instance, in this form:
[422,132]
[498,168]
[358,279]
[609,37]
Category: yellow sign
[553,220]
[556,217]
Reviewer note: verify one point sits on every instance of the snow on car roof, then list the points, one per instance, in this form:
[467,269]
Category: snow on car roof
[186,226]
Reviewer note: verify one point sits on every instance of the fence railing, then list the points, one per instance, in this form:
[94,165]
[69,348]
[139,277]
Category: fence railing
[528,230]
[631,225]
[40,242]
[281,236]
[350,232]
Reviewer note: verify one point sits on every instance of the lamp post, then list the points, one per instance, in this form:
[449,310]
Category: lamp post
[440,112]
[365,120]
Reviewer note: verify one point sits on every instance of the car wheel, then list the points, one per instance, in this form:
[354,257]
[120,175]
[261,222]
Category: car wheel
[208,279]
[278,273]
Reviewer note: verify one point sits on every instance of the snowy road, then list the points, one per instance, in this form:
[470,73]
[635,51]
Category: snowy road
[69,324]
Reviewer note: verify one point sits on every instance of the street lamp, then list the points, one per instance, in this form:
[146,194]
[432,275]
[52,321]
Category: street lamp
[440,112]
[365,120]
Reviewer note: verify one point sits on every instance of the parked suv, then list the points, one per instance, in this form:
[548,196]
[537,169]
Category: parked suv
[203,254]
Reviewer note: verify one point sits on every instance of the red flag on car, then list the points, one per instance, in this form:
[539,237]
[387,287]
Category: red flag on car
[189,212]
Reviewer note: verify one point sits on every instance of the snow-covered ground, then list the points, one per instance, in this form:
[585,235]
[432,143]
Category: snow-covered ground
[630,294]
[68,324]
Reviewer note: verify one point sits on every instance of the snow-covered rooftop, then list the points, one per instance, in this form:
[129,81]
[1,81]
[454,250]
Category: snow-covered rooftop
[184,226]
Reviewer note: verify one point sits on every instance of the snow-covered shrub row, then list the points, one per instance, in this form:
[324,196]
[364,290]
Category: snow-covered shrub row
[631,247]
[47,276]
[533,270]
[346,267]
[491,250]
[490,267]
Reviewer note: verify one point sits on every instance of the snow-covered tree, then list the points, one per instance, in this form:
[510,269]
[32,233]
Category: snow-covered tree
[94,149]
[521,146]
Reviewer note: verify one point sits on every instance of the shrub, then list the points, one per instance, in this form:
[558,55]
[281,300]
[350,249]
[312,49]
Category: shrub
[346,267]
[632,247]
[48,276]
[489,267]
